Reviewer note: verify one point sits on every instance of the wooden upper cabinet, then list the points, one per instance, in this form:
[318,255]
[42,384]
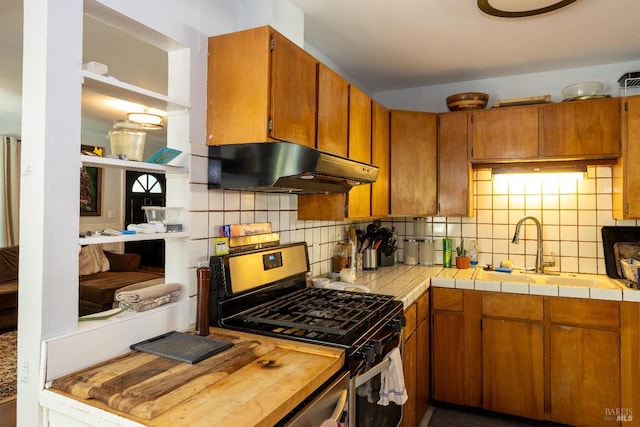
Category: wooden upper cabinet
[626,174]
[413,163]
[380,157]
[455,177]
[580,129]
[357,202]
[504,134]
[260,87]
[333,112]
[293,97]
[359,197]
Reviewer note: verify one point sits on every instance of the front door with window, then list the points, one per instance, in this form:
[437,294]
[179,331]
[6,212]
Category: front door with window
[144,189]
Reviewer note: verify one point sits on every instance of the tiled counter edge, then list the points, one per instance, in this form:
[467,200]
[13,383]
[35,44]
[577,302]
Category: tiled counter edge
[462,279]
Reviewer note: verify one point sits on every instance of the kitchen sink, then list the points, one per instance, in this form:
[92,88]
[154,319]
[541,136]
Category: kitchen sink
[518,276]
[558,279]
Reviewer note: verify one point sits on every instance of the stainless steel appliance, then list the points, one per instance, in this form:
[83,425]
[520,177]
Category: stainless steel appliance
[264,292]
[284,167]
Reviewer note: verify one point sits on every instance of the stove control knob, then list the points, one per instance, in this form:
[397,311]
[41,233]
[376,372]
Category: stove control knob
[368,353]
[377,347]
[397,323]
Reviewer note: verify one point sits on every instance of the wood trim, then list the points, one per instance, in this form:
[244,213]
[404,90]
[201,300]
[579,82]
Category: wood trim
[513,306]
[630,355]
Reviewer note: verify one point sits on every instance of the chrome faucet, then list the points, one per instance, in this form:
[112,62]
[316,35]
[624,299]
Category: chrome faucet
[516,239]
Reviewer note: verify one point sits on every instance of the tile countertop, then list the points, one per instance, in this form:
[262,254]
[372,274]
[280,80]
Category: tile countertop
[408,282]
[405,282]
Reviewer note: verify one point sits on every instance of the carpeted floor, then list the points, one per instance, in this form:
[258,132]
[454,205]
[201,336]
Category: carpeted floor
[8,365]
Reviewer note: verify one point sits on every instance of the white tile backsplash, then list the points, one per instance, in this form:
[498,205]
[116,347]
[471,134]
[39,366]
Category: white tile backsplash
[571,213]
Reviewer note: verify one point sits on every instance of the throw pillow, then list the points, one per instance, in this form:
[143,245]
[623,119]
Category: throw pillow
[92,260]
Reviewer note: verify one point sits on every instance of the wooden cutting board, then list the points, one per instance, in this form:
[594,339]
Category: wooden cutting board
[256,382]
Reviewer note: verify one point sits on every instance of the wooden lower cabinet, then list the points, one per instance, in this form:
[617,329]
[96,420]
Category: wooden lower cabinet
[456,359]
[447,335]
[567,360]
[409,416]
[512,368]
[585,375]
[415,361]
[423,358]
[585,362]
[513,354]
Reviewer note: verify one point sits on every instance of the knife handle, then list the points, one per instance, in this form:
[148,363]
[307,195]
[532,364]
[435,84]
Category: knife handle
[202,305]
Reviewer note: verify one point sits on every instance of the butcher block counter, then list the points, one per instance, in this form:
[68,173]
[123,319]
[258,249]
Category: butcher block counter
[256,382]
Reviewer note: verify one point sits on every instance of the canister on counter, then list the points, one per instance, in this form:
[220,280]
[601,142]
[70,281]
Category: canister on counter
[446,252]
[410,252]
[426,252]
[419,228]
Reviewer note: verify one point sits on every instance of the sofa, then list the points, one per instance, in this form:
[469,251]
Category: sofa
[102,273]
[9,257]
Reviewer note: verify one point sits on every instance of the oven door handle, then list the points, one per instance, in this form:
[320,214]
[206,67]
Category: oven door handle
[361,379]
[340,406]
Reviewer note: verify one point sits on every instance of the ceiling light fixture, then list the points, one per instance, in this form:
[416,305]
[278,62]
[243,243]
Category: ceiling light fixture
[147,120]
[519,8]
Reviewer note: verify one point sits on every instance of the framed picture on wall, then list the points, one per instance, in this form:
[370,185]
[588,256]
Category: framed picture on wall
[90,186]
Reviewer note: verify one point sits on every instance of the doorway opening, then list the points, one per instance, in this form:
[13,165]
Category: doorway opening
[144,189]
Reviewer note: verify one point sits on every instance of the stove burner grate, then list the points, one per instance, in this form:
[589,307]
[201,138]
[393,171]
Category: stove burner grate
[324,311]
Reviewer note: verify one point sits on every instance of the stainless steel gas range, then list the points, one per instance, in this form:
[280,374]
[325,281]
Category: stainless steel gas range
[264,292]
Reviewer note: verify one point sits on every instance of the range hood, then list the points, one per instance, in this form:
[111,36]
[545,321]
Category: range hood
[284,167]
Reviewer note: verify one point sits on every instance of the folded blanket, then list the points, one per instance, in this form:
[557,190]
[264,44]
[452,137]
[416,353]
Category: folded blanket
[143,291]
[148,304]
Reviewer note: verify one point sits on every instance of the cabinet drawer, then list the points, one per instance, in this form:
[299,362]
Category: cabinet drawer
[448,299]
[512,306]
[423,307]
[584,312]
[410,315]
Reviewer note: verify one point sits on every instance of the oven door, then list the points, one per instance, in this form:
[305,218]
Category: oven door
[364,387]
[329,403]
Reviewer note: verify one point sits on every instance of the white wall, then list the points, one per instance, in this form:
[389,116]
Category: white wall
[432,98]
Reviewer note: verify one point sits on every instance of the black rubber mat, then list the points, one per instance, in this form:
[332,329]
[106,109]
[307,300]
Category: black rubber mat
[182,347]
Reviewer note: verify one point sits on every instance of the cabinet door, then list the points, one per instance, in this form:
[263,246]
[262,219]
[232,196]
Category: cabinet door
[359,197]
[423,360]
[448,364]
[380,154]
[455,179]
[504,134]
[626,174]
[580,129]
[333,111]
[413,163]
[585,375]
[293,93]
[238,87]
[409,368]
[513,370]
[357,202]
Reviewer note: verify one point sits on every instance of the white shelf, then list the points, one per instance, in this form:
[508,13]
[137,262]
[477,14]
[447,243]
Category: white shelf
[93,240]
[104,162]
[108,85]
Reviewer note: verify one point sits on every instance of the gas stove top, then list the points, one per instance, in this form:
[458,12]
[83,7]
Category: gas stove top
[317,315]
[264,292]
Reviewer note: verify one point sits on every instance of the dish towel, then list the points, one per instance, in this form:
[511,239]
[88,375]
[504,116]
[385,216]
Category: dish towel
[392,387]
